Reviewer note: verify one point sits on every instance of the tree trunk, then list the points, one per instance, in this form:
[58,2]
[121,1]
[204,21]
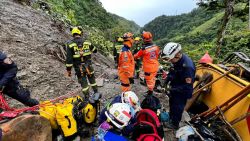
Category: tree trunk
[221,33]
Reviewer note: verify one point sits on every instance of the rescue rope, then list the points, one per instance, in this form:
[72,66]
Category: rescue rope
[12,112]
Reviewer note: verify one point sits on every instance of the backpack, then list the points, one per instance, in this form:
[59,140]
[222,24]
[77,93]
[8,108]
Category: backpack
[65,119]
[84,112]
[70,116]
[49,112]
[147,126]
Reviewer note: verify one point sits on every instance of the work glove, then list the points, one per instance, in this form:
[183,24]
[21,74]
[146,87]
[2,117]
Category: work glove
[131,80]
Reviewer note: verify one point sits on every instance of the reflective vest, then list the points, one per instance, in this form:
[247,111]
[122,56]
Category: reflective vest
[149,54]
[78,52]
[126,62]
[82,51]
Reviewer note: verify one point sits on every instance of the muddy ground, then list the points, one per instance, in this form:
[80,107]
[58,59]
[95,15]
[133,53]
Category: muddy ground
[33,40]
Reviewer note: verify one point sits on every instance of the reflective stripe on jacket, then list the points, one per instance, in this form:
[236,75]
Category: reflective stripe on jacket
[78,51]
[149,54]
[126,62]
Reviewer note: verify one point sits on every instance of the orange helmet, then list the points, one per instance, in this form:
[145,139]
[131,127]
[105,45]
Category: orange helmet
[127,36]
[147,36]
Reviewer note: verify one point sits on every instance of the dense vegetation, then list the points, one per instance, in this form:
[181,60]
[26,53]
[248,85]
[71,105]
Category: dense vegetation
[198,30]
[171,26]
[101,26]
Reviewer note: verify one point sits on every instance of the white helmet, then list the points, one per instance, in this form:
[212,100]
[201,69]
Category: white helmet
[170,50]
[130,98]
[119,114]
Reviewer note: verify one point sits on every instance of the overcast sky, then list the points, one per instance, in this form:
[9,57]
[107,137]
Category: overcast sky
[143,11]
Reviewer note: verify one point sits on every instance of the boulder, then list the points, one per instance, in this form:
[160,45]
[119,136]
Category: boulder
[27,128]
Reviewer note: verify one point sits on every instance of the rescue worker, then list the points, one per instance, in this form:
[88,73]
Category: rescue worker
[118,118]
[126,64]
[9,84]
[149,53]
[181,78]
[137,47]
[128,97]
[79,56]
[117,49]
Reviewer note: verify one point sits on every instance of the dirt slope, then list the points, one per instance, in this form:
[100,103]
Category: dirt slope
[32,38]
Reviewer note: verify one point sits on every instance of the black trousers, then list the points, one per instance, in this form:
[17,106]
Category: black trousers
[177,102]
[16,91]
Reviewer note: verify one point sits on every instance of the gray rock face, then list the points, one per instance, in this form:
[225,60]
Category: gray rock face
[31,37]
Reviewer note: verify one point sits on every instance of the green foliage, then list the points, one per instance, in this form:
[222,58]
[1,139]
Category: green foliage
[197,33]
[84,12]
[101,25]
[90,13]
[171,26]
[96,37]
[123,26]
[238,41]
[208,24]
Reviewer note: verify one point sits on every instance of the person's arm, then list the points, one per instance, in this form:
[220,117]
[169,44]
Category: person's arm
[8,76]
[69,58]
[93,48]
[115,52]
[170,75]
[188,81]
[138,54]
[128,130]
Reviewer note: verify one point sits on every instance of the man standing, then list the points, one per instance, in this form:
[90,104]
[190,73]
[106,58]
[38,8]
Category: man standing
[79,56]
[181,78]
[126,64]
[9,84]
[149,53]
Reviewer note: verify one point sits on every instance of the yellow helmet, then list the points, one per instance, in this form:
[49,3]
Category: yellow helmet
[76,30]
[137,38]
[119,39]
